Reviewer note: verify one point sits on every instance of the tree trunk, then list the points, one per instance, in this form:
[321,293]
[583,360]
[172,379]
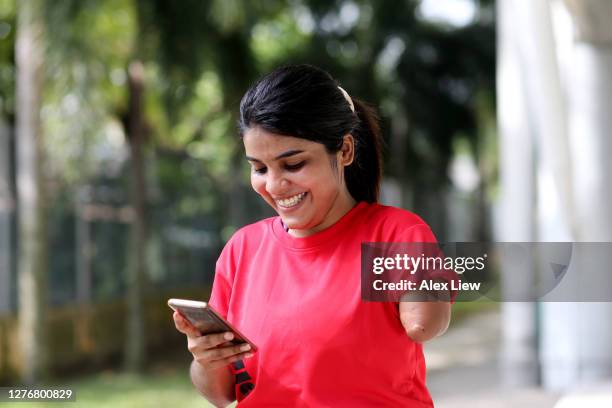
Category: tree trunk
[235,79]
[30,190]
[6,214]
[135,342]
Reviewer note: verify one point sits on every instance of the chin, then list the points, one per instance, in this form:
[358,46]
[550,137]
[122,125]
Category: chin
[296,223]
[292,223]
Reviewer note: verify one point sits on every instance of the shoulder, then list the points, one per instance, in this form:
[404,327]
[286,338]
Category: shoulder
[254,229]
[250,234]
[393,216]
[397,224]
[398,215]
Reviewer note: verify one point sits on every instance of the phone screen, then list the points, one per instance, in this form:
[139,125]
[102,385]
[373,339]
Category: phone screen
[204,318]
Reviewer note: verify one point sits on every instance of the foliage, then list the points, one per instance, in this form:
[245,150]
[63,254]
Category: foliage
[7,58]
[200,57]
[432,82]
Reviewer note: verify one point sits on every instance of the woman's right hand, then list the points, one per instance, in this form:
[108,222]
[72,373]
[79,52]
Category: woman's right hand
[211,351]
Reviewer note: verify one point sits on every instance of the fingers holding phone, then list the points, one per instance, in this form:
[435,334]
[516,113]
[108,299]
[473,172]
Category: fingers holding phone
[210,349]
[208,355]
[183,326]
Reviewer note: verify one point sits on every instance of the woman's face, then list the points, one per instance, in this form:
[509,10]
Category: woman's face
[298,178]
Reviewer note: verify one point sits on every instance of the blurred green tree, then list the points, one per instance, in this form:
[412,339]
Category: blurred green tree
[427,78]
[174,45]
[159,83]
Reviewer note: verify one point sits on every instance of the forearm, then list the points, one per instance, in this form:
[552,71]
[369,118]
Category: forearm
[424,321]
[426,314]
[216,385]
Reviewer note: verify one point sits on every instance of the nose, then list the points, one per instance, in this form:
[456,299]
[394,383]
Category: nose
[276,183]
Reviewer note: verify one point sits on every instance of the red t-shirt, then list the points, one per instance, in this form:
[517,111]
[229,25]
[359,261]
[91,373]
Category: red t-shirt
[299,300]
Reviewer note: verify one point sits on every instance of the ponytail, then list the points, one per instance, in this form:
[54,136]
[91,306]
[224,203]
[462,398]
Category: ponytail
[364,175]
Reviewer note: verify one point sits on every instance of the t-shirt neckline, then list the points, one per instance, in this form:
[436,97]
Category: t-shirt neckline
[319,238]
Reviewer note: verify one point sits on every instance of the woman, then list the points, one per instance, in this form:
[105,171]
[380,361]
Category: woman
[291,283]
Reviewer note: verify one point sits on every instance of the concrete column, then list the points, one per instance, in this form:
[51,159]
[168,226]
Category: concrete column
[576,336]
[590,90]
[517,201]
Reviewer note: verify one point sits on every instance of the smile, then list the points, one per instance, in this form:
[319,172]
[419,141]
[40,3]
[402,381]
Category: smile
[291,201]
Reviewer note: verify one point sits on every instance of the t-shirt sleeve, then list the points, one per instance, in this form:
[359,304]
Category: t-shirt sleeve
[421,241]
[419,233]
[224,278]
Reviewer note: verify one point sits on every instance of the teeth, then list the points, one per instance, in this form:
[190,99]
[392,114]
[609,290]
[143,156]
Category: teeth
[291,201]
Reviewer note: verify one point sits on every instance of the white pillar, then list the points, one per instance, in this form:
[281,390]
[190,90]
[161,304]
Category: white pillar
[519,357]
[576,336]
[589,93]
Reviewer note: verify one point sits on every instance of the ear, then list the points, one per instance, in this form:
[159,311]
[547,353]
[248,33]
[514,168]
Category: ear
[346,155]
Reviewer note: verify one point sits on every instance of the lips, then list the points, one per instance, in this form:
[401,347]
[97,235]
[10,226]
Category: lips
[291,201]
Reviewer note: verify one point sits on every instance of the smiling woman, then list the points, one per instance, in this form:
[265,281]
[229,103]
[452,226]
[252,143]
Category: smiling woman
[294,176]
[299,137]
[292,283]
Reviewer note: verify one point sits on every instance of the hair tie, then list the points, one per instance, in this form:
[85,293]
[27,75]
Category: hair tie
[348,98]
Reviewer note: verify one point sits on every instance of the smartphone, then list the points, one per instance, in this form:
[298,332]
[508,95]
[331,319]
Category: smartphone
[204,318]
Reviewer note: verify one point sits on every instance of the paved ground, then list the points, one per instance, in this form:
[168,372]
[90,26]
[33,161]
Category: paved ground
[463,369]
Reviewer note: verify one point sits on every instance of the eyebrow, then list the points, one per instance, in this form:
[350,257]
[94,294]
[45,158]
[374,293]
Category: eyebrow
[288,153]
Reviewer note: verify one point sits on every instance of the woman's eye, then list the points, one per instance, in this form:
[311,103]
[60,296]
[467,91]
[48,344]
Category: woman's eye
[296,166]
[260,170]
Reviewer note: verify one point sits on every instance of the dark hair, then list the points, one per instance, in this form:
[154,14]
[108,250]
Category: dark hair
[305,101]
